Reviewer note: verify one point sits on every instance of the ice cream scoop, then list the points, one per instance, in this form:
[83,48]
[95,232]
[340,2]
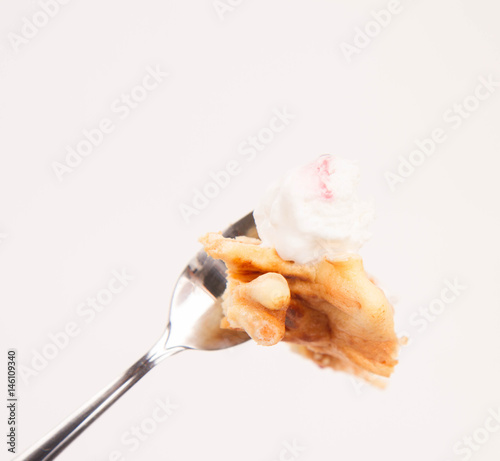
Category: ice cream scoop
[314,212]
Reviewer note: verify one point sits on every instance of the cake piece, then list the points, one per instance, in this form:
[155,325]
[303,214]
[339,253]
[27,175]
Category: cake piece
[329,310]
[302,281]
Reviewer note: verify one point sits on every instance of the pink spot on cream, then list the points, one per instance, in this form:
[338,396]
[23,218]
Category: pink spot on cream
[324,169]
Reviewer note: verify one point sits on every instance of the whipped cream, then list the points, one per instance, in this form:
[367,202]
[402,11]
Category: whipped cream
[313,212]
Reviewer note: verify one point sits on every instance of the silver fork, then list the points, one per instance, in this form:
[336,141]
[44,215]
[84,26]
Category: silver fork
[193,323]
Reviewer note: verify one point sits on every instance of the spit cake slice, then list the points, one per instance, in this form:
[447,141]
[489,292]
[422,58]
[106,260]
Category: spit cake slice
[330,310]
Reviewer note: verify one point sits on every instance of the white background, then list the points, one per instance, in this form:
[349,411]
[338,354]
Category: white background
[120,209]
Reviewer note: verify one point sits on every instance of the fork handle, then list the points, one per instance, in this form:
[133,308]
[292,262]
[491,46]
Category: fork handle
[61,436]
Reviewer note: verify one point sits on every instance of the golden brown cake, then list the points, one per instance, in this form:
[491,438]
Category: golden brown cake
[330,311]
